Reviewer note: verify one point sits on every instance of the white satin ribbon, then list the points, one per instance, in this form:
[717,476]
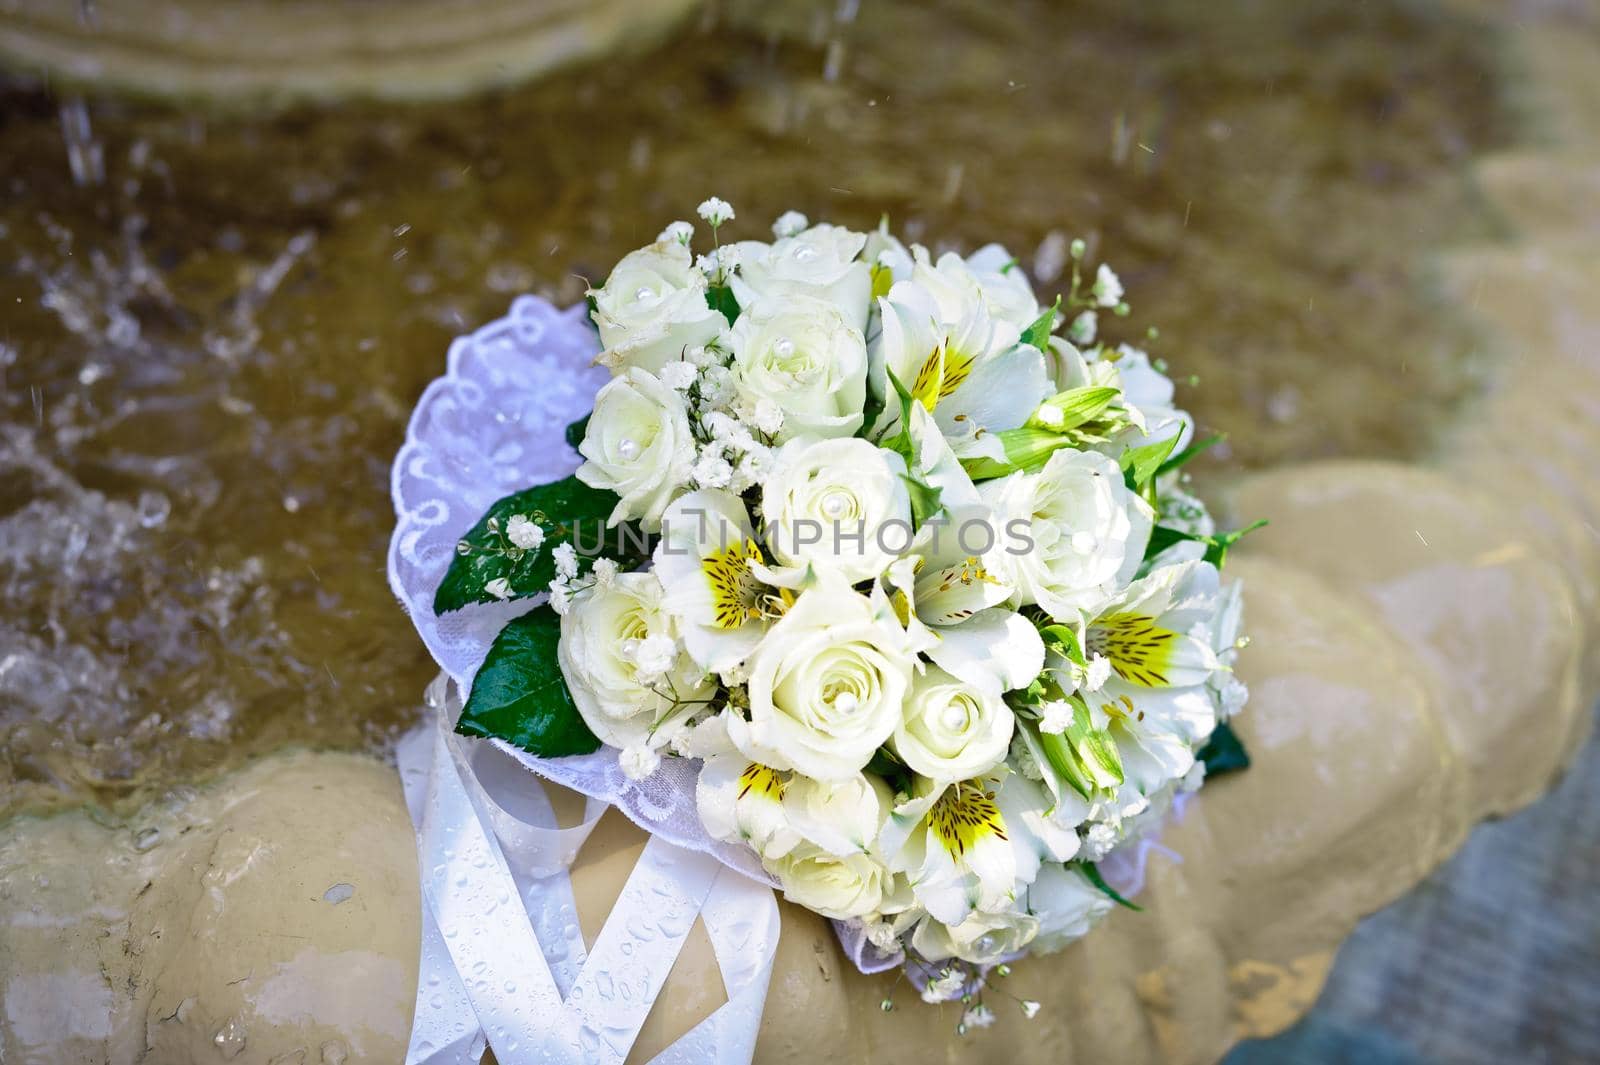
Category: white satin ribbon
[491,853]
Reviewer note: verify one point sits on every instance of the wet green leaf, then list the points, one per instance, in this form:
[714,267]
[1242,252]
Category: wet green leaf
[562,509]
[520,696]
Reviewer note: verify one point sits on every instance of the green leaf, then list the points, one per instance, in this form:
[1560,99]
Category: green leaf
[901,443]
[894,772]
[1163,537]
[1092,871]
[1064,639]
[520,696]
[562,509]
[577,430]
[926,500]
[1217,551]
[720,297]
[1217,546]
[869,414]
[1038,334]
[1188,453]
[1223,752]
[1140,464]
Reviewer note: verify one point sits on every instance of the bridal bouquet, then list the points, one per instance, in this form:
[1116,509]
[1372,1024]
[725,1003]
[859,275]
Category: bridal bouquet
[902,559]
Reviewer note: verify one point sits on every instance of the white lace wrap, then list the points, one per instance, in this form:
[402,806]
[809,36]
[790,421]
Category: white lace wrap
[495,423]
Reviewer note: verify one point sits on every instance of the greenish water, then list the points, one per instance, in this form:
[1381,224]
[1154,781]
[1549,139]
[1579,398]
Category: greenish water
[215,326]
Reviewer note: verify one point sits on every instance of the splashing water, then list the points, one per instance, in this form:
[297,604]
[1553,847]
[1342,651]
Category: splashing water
[215,327]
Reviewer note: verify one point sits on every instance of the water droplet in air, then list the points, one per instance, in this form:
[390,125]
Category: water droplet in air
[153,509]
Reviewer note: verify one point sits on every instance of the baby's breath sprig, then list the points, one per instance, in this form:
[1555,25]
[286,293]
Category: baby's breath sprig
[522,534]
[1030,1007]
[717,212]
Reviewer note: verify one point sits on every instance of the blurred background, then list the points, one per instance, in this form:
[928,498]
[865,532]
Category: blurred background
[238,237]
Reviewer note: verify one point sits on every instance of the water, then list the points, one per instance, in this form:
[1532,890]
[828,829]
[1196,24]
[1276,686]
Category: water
[216,325]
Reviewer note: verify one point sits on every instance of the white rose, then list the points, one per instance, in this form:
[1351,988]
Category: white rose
[842,887]
[1067,906]
[951,730]
[955,357]
[652,307]
[982,939]
[826,685]
[804,356]
[822,262]
[1087,531]
[839,506]
[638,445]
[603,635]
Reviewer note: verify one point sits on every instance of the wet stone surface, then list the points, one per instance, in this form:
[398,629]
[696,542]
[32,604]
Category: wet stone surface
[215,326]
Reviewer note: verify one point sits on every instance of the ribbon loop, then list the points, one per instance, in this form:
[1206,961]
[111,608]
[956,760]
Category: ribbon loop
[503,960]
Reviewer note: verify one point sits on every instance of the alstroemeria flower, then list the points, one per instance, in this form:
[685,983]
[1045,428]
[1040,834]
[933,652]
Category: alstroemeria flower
[951,842]
[1067,906]
[991,274]
[742,801]
[704,562]
[970,371]
[1157,636]
[1043,829]
[949,598]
